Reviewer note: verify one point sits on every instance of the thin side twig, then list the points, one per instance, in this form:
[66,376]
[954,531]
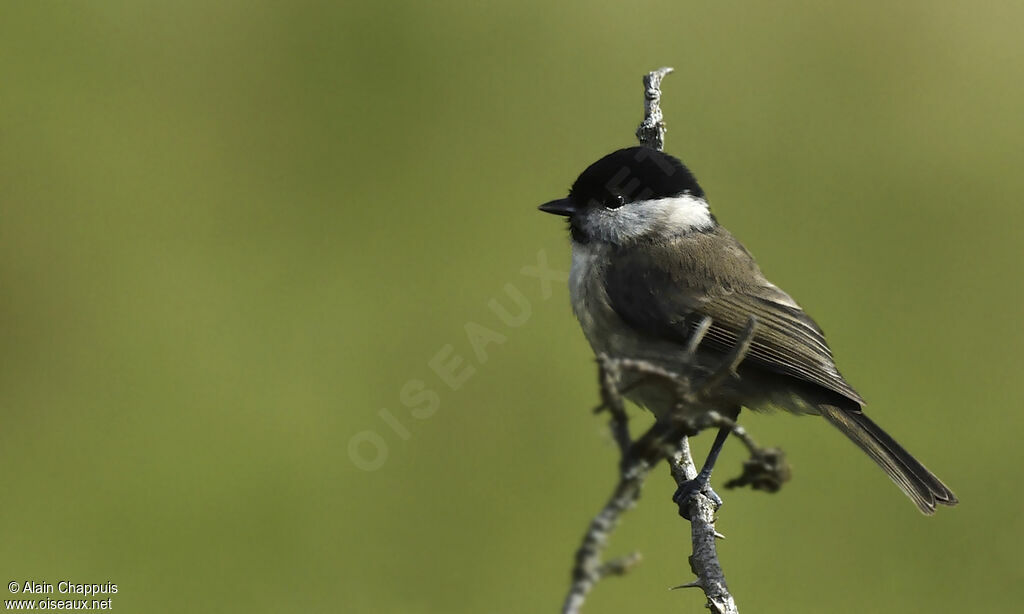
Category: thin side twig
[609,374]
[652,130]
[589,569]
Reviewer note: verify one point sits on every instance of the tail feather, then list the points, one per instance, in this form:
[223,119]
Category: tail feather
[921,485]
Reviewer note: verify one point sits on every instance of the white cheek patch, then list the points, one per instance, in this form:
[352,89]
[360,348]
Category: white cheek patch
[682,213]
[671,216]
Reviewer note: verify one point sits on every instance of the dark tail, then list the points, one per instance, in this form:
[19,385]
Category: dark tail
[912,477]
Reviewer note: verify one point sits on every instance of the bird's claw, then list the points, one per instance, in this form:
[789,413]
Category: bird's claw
[693,487]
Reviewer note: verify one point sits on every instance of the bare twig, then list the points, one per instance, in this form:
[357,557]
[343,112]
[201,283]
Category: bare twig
[704,560]
[610,375]
[652,130]
[589,569]
[666,439]
[734,357]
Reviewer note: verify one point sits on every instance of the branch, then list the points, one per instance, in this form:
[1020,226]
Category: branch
[665,439]
[652,130]
[704,560]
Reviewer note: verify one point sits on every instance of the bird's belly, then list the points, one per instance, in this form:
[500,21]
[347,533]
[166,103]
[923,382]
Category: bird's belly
[603,328]
[609,335]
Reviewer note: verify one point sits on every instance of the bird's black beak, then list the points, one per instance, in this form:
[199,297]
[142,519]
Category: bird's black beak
[563,206]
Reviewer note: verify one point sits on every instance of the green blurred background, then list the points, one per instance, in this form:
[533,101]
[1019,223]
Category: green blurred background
[232,233]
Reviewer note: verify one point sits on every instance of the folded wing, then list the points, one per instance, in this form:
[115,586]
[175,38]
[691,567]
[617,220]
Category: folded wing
[666,290]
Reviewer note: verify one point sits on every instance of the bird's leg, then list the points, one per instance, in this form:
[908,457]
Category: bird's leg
[702,483]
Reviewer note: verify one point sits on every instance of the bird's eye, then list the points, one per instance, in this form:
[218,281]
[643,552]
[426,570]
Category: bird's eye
[615,201]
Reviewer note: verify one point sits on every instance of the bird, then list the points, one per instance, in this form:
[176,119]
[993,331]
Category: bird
[651,265]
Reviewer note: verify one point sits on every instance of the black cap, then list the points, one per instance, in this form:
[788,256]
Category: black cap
[631,174]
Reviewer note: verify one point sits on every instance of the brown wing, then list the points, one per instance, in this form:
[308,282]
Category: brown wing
[665,291]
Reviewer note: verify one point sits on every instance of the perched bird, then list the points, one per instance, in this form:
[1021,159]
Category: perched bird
[650,263]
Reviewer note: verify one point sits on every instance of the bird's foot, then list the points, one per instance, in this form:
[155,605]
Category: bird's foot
[690,488]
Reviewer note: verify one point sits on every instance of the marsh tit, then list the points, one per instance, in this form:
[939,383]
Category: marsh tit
[650,263]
